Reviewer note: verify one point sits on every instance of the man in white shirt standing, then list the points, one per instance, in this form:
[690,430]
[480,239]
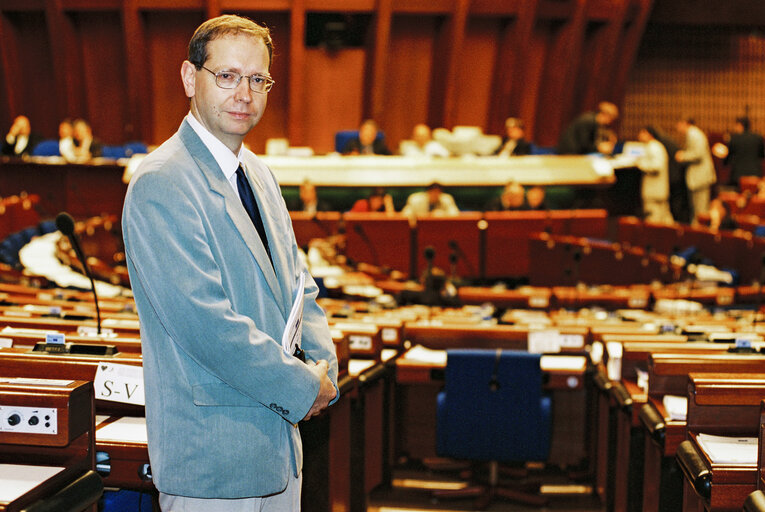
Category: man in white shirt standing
[654,164]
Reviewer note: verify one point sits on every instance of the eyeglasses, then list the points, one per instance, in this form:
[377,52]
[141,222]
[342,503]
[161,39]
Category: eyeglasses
[230,80]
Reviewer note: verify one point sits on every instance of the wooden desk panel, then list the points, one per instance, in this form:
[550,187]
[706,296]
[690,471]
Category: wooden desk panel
[83,190]
[720,404]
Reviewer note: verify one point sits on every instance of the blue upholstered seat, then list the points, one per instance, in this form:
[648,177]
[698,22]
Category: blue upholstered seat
[342,137]
[493,409]
[47,147]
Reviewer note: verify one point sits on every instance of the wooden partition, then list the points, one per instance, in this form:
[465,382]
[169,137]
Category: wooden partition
[117,64]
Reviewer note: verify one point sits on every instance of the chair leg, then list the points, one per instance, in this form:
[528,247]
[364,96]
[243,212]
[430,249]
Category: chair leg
[485,494]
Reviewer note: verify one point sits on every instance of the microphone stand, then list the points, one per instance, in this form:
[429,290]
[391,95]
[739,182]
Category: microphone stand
[65,224]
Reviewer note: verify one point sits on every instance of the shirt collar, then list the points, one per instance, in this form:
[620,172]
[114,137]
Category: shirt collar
[226,160]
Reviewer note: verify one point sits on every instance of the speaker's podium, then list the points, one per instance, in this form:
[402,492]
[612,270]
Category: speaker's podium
[47,454]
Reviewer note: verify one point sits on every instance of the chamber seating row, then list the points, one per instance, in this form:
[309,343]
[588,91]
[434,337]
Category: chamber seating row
[737,250]
[475,245]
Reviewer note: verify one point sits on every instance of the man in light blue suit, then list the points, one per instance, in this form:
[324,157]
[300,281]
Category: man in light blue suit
[214,268]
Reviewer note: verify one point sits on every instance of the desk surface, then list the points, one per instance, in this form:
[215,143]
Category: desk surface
[17,479]
[395,171]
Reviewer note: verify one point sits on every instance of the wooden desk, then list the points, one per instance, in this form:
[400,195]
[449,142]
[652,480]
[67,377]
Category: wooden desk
[62,438]
[668,375]
[123,454]
[719,404]
[513,337]
[83,190]
[23,363]
[621,451]
[327,453]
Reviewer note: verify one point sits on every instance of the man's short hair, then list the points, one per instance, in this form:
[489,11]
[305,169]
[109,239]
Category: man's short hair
[608,108]
[514,121]
[226,25]
[744,122]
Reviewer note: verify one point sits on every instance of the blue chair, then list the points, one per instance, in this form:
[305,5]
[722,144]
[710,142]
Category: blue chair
[342,138]
[115,152]
[47,147]
[541,150]
[135,148]
[492,409]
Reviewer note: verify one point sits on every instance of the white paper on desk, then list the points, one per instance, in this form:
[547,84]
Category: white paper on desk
[420,354]
[293,331]
[126,430]
[545,341]
[17,479]
[676,407]
[563,363]
[729,450]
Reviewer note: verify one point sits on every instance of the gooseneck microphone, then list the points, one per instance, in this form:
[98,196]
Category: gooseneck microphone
[359,229]
[455,246]
[65,224]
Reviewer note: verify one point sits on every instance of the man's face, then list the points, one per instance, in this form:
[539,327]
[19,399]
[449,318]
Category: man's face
[367,134]
[229,114]
[22,125]
[64,130]
[80,131]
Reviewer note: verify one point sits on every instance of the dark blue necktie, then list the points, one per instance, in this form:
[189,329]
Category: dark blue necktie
[251,205]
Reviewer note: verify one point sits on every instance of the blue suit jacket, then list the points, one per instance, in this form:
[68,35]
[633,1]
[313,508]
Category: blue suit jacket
[222,398]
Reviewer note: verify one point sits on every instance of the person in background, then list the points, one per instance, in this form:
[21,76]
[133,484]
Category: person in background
[378,201]
[589,133]
[308,199]
[535,198]
[654,164]
[512,197]
[744,153]
[65,140]
[85,145]
[514,142]
[216,272]
[20,140]
[422,144]
[720,218]
[367,142]
[432,201]
[700,172]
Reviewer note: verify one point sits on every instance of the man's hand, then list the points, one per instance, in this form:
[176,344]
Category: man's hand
[326,389]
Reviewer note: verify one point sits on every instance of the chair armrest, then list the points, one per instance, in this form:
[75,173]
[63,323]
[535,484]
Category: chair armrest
[695,469]
[622,396]
[755,502]
[653,422]
[76,496]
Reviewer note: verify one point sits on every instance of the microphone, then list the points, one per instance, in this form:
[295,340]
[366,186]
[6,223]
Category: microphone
[453,259]
[359,229]
[429,254]
[324,229]
[454,246]
[65,224]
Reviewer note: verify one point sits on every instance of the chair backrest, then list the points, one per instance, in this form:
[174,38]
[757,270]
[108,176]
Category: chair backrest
[135,148]
[47,147]
[493,407]
[115,152]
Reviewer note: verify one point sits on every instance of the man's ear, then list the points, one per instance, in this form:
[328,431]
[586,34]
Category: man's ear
[188,77]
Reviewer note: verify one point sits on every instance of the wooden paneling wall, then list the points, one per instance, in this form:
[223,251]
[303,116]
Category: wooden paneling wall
[713,74]
[445,62]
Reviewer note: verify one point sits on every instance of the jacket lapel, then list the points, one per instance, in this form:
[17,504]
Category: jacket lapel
[219,185]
